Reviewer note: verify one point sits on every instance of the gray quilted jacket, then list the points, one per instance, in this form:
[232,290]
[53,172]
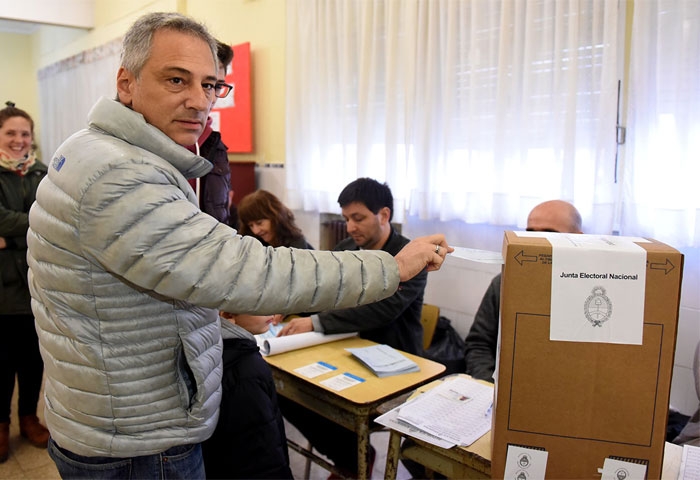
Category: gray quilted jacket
[127,276]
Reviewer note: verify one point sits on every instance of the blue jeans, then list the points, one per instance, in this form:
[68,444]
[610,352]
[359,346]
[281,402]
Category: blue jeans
[181,462]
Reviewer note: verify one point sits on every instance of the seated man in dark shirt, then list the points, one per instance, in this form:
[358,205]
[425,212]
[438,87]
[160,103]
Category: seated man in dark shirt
[367,207]
[550,216]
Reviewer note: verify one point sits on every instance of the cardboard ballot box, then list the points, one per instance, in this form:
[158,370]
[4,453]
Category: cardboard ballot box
[586,349]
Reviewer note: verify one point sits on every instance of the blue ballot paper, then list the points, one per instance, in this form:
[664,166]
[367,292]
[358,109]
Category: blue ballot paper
[384,360]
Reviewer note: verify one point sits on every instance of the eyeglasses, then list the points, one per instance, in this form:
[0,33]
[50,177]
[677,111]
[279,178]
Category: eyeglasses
[222,89]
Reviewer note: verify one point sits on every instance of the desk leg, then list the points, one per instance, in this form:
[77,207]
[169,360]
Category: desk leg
[362,426]
[392,456]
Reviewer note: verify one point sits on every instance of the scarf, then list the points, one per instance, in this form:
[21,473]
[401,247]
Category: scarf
[18,165]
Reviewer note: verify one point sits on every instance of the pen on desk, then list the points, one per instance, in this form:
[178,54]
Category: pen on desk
[488,410]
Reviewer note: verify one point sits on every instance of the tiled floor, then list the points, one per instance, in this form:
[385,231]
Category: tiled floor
[27,462]
[379,440]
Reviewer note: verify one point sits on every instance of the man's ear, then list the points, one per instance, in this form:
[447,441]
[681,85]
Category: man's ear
[384,214]
[125,84]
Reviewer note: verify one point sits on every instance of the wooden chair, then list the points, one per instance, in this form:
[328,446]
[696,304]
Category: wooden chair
[429,319]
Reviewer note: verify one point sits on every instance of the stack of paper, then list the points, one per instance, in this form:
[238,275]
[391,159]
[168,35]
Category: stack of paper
[456,412]
[384,360]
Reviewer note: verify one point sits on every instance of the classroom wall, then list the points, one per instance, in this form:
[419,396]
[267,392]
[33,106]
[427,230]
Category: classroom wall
[260,22]
[16,53]
[263,24]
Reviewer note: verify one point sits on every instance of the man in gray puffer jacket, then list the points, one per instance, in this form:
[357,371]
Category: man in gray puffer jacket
[127,275]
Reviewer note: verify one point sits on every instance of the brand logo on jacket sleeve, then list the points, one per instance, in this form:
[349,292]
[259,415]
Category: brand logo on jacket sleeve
[58,162]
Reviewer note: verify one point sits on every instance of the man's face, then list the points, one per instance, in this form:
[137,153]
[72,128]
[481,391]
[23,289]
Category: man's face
[175,89]
[365,227]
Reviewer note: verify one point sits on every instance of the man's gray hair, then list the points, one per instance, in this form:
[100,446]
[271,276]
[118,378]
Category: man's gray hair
[136,47]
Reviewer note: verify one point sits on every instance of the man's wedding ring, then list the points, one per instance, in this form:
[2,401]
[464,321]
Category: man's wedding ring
[437,249]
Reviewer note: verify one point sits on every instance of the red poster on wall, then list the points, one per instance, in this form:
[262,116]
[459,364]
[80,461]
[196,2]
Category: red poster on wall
[232,115]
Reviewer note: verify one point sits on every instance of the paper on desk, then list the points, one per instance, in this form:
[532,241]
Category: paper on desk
[384,360]
[273,346]
[391,420]
[475,255]
[458,410]
[690,463]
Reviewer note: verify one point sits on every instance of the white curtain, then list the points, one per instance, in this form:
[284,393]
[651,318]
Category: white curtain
[68,90]
[473,110]
[661,196]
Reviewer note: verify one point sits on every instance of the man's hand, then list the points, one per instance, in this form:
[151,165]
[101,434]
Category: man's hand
[423,252]
[297,325]
[3,243]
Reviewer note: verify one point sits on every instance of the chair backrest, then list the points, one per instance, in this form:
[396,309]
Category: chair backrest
[429,319]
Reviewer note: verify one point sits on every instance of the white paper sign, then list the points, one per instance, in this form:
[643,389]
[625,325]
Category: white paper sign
[621,470]
[598,286]
[525,463]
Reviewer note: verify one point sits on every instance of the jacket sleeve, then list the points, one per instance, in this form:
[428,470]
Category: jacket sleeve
[481,340]
[13,223]
[377,314]
[137,222]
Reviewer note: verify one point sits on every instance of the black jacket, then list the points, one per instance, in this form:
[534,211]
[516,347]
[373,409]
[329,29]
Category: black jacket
[480,344]
[17,193]
[249,440]
[394,321]
[216,184]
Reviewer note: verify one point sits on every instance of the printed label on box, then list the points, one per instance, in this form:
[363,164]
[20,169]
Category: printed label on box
[598,288]
[621,470]
[524,463]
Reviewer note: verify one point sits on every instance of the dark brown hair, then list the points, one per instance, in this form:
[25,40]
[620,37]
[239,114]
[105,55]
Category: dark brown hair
[11,111]
[261,205]
[224,53]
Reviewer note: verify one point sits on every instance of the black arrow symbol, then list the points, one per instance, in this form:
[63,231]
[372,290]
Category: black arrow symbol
[666,267]
[521,257]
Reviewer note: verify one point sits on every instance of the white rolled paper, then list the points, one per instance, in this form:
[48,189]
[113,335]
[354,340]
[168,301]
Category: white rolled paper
[275,345]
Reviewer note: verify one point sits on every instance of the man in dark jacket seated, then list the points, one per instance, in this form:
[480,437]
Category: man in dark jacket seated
[551,216]
[367,207]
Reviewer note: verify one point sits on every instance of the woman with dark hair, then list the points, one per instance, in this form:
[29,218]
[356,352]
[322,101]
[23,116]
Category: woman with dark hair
[263,216]
[20,174]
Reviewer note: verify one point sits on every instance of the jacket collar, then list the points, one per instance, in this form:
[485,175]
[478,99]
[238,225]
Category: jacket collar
[120,121]
[231,330]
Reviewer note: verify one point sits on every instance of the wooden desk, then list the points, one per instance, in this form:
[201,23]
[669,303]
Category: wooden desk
[354,408]
[473,461]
